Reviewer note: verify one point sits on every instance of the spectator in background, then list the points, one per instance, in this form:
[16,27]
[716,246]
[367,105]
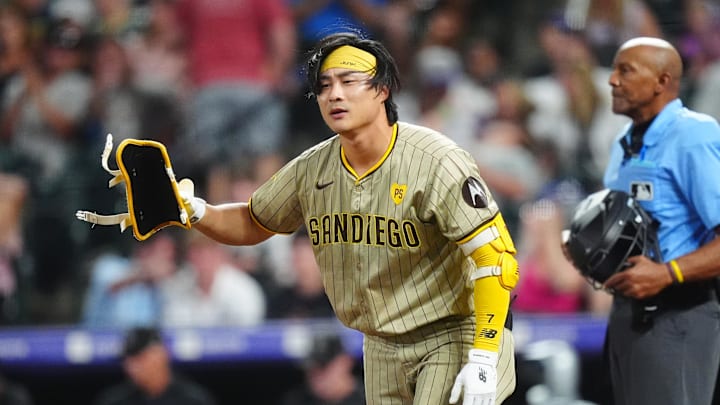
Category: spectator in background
[436,66]
[117,105]
[119,19]
[43,111]
[81,12]
[429,100]
[707,87]
[37,13]
[160,70]
[305,297]
[17,43]
[13,195]
[18,47]
[670,15]
[240,55]
[445,26]
[571,111]
[329,376]
[504,149]
[550,283]
[608,23]
[452,90]
[151,380]
[45,105]
[699,45]
[503,152]
[512,103]
[476,100]
[211,290]
[121,106]
[158,56]
[125,292]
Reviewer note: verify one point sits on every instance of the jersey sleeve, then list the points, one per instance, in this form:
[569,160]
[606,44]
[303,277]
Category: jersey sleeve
[462,205]
[275,205]
[459,200]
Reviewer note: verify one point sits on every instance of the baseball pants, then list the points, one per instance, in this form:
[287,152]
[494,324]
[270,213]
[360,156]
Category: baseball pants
[419,367]
[674,362]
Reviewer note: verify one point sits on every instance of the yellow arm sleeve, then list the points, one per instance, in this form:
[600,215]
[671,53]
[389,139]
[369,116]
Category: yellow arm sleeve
[491,306]
[492,251]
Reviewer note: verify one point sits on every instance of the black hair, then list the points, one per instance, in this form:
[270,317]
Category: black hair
[386,71]
[325,347]
[139,338]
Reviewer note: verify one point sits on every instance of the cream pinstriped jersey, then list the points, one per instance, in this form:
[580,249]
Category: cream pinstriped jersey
[385,243]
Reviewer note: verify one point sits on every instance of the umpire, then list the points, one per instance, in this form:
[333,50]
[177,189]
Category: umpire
[668,158]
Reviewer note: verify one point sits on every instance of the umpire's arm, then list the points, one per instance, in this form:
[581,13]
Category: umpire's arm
[646,278]
[703,263]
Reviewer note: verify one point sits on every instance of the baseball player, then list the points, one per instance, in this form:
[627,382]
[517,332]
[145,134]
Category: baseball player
[412,248]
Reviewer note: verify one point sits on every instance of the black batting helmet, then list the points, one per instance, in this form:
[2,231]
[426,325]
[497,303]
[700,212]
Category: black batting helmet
[608,227]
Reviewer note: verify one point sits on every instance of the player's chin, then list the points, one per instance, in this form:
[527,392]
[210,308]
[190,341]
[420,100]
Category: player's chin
[338,125]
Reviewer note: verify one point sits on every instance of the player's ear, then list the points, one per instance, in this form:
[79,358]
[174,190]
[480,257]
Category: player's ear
[383,93]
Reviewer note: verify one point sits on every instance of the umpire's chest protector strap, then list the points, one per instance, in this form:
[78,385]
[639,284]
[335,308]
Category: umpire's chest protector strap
[151,190]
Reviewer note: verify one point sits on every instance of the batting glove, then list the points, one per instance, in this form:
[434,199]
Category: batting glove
[194,206]
[477,380]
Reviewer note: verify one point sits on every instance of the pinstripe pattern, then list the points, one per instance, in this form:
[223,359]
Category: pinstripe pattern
[387,268]
[506,367]
[381,241]
[419,368]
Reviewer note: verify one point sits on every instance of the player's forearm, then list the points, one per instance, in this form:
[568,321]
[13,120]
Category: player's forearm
[491,307]
[492,250]
[231,224]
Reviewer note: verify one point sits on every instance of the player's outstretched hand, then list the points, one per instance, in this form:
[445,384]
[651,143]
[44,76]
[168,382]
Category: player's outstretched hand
[194,206]
[477,380]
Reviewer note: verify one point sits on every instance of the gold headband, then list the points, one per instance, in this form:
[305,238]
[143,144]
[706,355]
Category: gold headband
[349,57]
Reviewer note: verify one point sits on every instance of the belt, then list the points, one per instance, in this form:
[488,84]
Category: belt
[676,297]
[682,296]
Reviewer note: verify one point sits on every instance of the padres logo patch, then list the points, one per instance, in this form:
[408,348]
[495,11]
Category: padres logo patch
[474,193]
[397,192]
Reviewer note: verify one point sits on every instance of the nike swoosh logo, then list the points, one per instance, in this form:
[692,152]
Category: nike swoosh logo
[321,186]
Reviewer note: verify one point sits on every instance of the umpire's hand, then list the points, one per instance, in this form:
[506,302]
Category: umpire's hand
[477,380]
[643,279]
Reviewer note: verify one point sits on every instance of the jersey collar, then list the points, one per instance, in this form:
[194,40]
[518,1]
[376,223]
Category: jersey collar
[377,164]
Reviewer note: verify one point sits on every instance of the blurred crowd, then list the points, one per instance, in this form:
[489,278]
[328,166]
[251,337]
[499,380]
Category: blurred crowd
[522,85]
